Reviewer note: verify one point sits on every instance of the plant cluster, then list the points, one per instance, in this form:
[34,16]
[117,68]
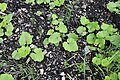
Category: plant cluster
[34,52]
[97,36]
[6,26]
[52,3]
[58,33]
[114,7]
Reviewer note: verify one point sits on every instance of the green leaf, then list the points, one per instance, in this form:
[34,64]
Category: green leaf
[114,76]
[108,28]
[55,22]
[99,56]
[1,40]
[105,62]
[1,32]
[70,45]
[55,38]
[52,5]
[9,29]
[30,2]
[92,48]
[115,40]
[60,20]
[100,43]
[96,61]
[91,38]
[54,16]
[3,7]
[84,20]
[46,41]
[92,26]
[119,75]
[73,36]
[8,33]
[62,28]
[7,18]
[38,12]
[107,78]
[23,51]
[102,34]
[25,38]
[58,2]
[81,30]
[15,55]
[6,77]
[50,32]
[38,55]
[46,1]
[113,7]
[39,1]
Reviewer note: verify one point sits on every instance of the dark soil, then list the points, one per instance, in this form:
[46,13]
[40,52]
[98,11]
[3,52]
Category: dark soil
[53,64]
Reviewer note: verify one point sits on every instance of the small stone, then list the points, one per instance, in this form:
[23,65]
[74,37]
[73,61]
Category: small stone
[76,7]
[32,45]
[37,37]
[49,15]
[51,56]
[41,18]
[62,74]
[84,6]
[91,1]
[63,78]
[41,71]
[86,49]
[17,30]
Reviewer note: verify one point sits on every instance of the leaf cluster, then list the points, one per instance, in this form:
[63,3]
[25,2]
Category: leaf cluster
[35,53]
[59,32]
[6,26]
[114,7]
[51,3]
[97,35]
[99,60]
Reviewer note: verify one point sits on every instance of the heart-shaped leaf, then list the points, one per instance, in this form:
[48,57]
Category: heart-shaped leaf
[25,38]
[38,55]
[23,51]
[70,45]
[55,38]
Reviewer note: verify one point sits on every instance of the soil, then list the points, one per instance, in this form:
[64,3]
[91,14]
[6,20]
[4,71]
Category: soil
[52,67]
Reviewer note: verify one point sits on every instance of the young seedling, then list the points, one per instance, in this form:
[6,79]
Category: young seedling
[6,26]
[56,33]
[35,53]
[3,7]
